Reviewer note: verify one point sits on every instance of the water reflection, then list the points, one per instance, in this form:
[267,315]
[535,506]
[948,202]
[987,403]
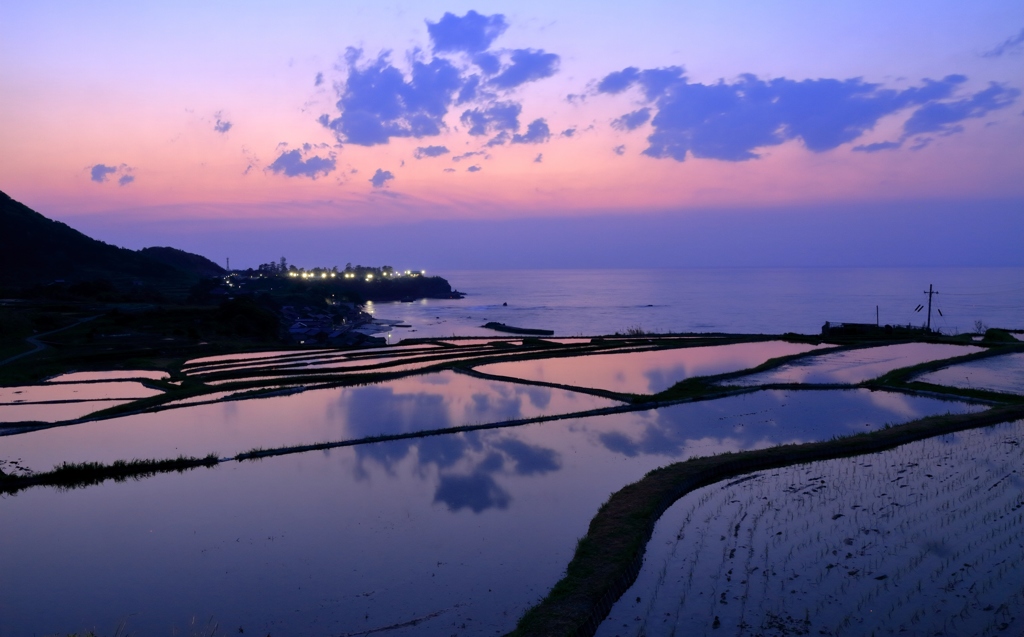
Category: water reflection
[477,492]
[765,418]
[47,412]
[529,459]
[232,358]
[432,401]
[119,374]
[855,366]
[467,465]
[388,366]
[261,359]
[75,391]
[429,530]
[647,372]
[1000,373]
[54,402]
[379,410]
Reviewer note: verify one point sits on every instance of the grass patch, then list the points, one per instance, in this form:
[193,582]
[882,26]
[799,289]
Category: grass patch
[77,475]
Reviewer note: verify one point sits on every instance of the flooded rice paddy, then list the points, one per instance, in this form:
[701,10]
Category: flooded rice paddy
[52,412]
[75,391]
[999,373]
[53,402]
[456,532]
[276,360]
[857,365]
[924,539]
[465,529]
[420,403]
[646,372]
[119,374]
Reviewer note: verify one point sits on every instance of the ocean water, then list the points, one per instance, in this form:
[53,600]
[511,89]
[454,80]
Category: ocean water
[734,300]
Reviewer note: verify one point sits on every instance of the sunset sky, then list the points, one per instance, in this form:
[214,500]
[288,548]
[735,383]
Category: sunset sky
[559,133]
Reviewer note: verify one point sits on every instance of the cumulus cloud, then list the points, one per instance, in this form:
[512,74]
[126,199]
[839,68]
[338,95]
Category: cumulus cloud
[620,149]
[318,80]
[222,126]
[474,169]
[100,172]
[470,91]
[632,121]
[618,81]
[569,132]
[730,121]
[496,117]
[471,153]
[472,33]
[378,101]
[500,139]
[489,63]
[449,170]
[430,151]
[944,117]
[1012,45]
[877,146]
[292,164]
[536,133]
[539,158]
[381,178]
[527,65]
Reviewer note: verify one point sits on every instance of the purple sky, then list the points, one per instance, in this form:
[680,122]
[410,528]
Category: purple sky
[444,135]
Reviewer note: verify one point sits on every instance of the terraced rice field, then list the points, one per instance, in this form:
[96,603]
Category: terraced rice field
[925,539]
[413,494]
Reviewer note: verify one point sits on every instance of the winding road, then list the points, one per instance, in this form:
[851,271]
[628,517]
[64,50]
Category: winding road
[38,346]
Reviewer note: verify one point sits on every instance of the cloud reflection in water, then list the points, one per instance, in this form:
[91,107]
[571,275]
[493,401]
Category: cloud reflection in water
[466,465]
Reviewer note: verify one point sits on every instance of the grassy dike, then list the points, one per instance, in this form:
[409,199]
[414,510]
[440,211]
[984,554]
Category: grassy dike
[75,475]
[609,557]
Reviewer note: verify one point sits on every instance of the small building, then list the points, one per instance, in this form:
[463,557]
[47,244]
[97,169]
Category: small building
[870,330]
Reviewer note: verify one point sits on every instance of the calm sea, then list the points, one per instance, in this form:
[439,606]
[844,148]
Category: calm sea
[756,301]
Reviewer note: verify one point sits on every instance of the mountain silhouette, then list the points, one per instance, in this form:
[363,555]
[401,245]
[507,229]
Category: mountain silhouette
[35,250]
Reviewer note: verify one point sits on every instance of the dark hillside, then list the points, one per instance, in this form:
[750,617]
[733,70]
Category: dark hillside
[184,261]
[36,251]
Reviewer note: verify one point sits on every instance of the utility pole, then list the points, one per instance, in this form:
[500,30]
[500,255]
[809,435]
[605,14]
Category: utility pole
[930,292]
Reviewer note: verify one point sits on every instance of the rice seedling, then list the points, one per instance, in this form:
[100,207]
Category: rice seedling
[926,557]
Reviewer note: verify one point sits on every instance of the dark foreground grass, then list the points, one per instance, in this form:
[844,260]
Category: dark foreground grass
[75,475]
[609,557]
